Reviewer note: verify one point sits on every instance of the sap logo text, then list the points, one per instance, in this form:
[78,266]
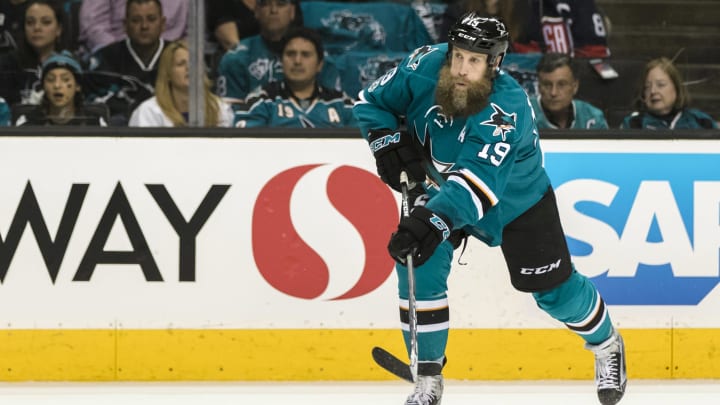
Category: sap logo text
[644,227]
[386,140]
[118,207]
[540,270]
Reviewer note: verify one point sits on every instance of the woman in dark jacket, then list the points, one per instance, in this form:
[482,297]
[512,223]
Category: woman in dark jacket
[43,33]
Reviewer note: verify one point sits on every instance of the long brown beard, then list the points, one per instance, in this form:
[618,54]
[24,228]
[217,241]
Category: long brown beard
[458,102]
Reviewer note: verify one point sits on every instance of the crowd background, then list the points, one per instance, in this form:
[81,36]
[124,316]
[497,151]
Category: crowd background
[116,47]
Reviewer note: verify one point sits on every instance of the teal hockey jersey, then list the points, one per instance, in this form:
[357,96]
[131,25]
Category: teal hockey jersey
[5,116]
[687,118]
[253,64]
[380,26]
[585,116]
[275,106]
[487,167]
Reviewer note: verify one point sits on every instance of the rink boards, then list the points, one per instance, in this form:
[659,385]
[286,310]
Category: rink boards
[264,259]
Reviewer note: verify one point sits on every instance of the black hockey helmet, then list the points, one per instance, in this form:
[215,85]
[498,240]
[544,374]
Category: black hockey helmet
[476,33]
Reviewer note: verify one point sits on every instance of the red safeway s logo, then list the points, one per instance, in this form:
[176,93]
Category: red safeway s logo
[290,265]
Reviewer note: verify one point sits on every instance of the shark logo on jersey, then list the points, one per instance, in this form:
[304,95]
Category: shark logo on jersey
[264,67]
[502,121]
[438,166]
[364,27]
[374,67]
[417,55]
[106,86]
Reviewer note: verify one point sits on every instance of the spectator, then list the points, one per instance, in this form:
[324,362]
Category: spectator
[20,80]
[298,100]
[127,69]
[62,102]
[170,105]
[431,14]
[556,106]
[358,69]
[229,21]
[256,59]
[382,26]
[102,22]
[5,117]
[663,101]
[575,27]
[11,23]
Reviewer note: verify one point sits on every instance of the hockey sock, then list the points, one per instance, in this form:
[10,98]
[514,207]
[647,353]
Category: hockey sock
[578,304]
[433,322]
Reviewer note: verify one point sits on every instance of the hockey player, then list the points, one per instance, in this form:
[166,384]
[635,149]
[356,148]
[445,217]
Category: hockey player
[556,106]
[486,179]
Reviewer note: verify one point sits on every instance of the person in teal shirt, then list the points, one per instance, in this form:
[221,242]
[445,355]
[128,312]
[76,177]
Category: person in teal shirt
[556,106]
[5,116]
[664,101]
[464,132]
[255,61]
[298,100]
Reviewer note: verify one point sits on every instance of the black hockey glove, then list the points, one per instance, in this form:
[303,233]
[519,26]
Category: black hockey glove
[419,235]
[417,197]
[394,152]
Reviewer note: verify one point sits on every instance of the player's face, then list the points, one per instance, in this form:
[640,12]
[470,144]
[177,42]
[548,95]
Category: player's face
[144,23]
[659,92]
[274,16]
[180,73]
[465,85]
[557,89]
[467,67]
[41,26]
[300,61]
[60,87]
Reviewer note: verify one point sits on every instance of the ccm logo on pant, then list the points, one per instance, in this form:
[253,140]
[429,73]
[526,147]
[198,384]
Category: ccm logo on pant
[540,270]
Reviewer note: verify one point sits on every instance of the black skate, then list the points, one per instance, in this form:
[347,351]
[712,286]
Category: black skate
[610,375]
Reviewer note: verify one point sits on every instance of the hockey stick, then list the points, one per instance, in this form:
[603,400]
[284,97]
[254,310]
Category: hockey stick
[392,364]
[381,356]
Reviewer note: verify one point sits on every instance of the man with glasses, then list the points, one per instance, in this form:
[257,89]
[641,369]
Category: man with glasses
[556,106]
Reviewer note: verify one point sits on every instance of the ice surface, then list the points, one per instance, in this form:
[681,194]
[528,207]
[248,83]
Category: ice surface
[356,393]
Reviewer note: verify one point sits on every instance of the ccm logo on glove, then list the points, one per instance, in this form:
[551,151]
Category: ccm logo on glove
[394,152]
[440,225]
[418,235]
[386,140]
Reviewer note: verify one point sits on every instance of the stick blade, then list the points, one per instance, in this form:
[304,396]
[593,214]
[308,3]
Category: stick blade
[392,364]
